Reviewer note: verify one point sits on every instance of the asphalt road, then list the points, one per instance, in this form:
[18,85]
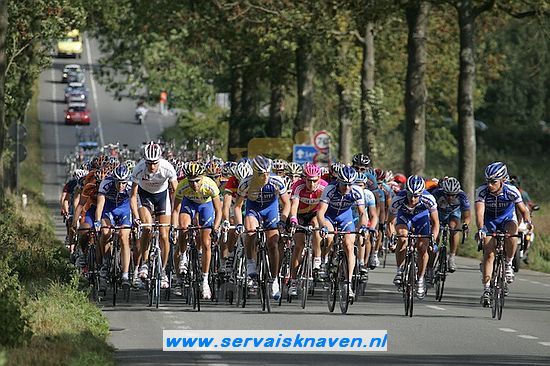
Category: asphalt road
[454,331]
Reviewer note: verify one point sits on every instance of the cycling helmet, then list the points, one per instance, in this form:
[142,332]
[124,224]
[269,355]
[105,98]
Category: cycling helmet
[496,170]
[279,165]
[389,176]
[130,164]
[294,169]
[194,170]
[324,170]
[371,181]
[101,161]
[261,164]
[311,170]
[228,169]
[242,171]
[347,175]
[152,152]
[335,168]
[380,175]
[180,169]
[100,174]
[121,173]
[288,183]
[400,178]
[361,160]
[213,168]
[111,160]
[415,184]
[362,178]
[450,185]
[79,173]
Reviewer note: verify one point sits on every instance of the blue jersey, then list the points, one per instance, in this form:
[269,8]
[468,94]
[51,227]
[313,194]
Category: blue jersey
[338,202]
[263,195]
[447,206]
[400,204]
[500,205]
[112,195]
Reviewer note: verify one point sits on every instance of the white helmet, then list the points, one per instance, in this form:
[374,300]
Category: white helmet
[79,173]
[243,170]
[152,152]
[450,185]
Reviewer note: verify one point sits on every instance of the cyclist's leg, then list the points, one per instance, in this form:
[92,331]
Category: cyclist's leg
[250,224]
[316,244]
[123,217]
[345,223]
[206,218]
[299,241]
[511,227]
[489,247]
[421,224]
[164,215]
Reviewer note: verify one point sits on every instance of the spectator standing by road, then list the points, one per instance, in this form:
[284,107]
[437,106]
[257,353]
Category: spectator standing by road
[163,102]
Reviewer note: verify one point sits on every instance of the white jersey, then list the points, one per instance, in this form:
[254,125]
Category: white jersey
[157,182]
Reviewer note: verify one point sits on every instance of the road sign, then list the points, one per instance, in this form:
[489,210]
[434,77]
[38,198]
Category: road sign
[303,153]
[321,159]
[22,152]
[17,128]
[322,140]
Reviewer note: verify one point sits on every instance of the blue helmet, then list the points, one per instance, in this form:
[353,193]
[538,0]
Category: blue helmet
[121,173]
[362,178]
[261,164]
[347,174]
[496,170]
[415,184]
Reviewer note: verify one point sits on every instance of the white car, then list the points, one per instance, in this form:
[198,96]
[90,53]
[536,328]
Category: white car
[68,69]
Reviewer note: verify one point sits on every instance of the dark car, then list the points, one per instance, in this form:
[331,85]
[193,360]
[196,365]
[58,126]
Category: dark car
[76,77]
[76,92]
[69,69]
[77,114]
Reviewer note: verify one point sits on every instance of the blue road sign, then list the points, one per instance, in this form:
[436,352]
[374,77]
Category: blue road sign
[303,153]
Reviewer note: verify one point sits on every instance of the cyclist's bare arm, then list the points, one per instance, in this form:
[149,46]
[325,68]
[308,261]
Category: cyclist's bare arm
[434,217]
[285,198]
[480,213]
[238,210]
[134,201]
[321,214]
[99,206]
[373,216]
[227,200]
[218,211]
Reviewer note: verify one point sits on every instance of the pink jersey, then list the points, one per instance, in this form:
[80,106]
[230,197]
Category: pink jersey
[309,200]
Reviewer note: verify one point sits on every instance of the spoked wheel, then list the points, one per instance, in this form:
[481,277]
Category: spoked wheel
[343,284]
[331,285]
[115,272]
[241,285]
[408,287]
[213,277]
[499,291]
[385,250]
[158,277]
[284,277]
[306,275]
[440,274]
[264,283]
[196,281]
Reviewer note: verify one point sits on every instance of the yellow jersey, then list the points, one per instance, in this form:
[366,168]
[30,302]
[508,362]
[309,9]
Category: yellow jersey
[208,190]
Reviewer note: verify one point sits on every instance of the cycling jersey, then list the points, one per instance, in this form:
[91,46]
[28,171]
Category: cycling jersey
[231,186]
[70,189]
[88,196]
[417,217]
[338,202]
[154,182]
[207,190]
[370,201]
[308,200]
[262,195]
[452,206]
[112,195]
[500,207]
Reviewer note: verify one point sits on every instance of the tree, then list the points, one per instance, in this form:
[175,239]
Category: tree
[3,30]
[416,92]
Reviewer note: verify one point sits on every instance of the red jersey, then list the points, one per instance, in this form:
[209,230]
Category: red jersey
[309,200]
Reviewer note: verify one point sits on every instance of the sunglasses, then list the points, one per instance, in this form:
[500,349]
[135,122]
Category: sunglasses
[450,195]
[493,181]
[361,169]
[196,180]
[413,195]
[346,184]
[312,180]
[122,182]
[151,162]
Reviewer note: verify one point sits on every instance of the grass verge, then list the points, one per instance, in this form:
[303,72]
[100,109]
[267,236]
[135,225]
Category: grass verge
[44,318]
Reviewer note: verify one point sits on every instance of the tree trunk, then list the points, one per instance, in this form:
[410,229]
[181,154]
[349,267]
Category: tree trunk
[416,92]
[344,118]
[368,129]
[465,100]
[235,115]
[305,74]
[249,101]
[3,31]
[276,105]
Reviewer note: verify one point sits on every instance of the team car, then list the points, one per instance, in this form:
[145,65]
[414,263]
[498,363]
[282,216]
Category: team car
[76,92]
[76,114]
[70,45]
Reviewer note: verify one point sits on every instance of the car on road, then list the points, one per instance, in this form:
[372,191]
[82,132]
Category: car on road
[76,77]
[70,45]
[77,114]
[76,92]
[70,69]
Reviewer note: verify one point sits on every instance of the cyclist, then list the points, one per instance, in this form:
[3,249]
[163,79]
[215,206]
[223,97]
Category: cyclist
[413,209]
[154,181]
[279,167]
[361,162]
[198,195]
[454,209]
[495,207]
[305,198]
[66,202]
[262,191]
[294,172]
[335,212]
[113,208]
[365,250]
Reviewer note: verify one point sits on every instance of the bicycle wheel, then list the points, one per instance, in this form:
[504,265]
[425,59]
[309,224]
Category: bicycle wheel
[115,271]
[240,280]
[158,277]
[169,272]
[305,276]
[151,270]
[408,286]
[332,270]
[196,279]
[213,279]
[385,250]
[494,285]
[343,284]
[264,281]
[500,289]
[284,277]
[93,276]
[441,273]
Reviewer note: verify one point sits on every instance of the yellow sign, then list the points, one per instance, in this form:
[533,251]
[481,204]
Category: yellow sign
[276,148]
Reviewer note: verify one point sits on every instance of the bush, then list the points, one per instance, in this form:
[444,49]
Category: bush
[13,324]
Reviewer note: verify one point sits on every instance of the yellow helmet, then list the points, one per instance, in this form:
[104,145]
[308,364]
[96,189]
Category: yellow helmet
[194,170]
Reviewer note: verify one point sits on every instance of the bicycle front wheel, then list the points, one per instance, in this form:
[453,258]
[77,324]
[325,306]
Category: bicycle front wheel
[306,275]
[408,286]
[343,284]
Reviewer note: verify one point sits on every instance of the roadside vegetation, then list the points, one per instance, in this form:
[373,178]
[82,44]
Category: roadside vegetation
[45,318]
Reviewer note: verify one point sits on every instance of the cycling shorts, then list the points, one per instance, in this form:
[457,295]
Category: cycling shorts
[157,203]
[89,218]
[204,210]
[120,215]
[446,217]
[498,223]
[267,216]
[342,222]
[419,223]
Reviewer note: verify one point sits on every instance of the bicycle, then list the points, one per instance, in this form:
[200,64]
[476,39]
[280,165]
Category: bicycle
[305,269]
[91,271]
[440,263]
[239,273]
[284,269]
[115,271]
[337,272]
[409,273]
[498,285]
[215,278]
[154,265]
[359,280]
[193,277]
[264,272]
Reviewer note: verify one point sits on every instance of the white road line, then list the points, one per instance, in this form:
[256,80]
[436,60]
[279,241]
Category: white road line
[547,284]
[547,344]
[383,290]
[507,330]
[536,282]
[522,279]
[214,356]
[101,139]
[56,130]
[527,336]
[435,307]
